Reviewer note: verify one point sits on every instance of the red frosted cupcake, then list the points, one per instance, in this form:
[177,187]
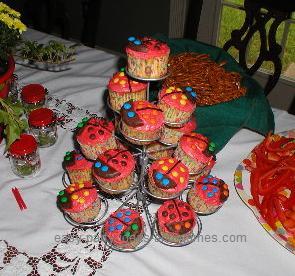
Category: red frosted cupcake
[147,57]
[78,168]
[114,170]
[141,120]
[196,152]
[122,89]
[157,150]
[176,220]
[167,177]
[95,135]
[208,194]
[80,201]
[171,135]
[124,228]
[177,104]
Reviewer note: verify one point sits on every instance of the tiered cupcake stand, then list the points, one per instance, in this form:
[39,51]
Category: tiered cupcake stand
[138,195]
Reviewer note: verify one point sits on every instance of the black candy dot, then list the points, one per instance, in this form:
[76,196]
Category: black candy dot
[100,132]
[92,136]
[123,163]
[180,204]
[165,214]
[90,129]
[124,156]
[115,161]
[170,206]
[185,214]
[172,216]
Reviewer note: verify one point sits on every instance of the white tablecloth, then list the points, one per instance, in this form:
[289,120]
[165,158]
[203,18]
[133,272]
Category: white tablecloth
[32,235]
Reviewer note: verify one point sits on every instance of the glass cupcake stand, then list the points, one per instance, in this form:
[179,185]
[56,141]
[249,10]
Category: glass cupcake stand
[138,196]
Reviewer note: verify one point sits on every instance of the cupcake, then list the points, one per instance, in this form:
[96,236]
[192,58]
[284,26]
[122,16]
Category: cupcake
[114,170]
[175,220]
[124,228]
[196,152]
[79,169]
[80,201]
[167,177]
[208,194]
[177,104]
[141,120]
[171,135]
[147,57]
[157,150]
[122,89]
[95,135]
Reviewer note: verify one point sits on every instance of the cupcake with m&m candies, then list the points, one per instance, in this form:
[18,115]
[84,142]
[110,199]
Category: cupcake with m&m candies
[80,201]
[141,120]
[157,150]
[175,220]
[147,57]
[79,169]
[208,194]
[124,228]
[171,134]
[113,170]
[167,177]
[95,135]
[177,104]
[122,89]
[196,152]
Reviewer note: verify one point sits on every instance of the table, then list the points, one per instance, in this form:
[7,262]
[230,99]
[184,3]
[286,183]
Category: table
[30,240]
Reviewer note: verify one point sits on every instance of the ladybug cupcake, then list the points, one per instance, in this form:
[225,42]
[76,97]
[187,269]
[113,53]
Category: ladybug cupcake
[196,152]
[122,89]
[95,135]
[114,170]
[147,57]
[171,134]
[177,104]
[78,167]
[124,228]
[208,194]
[141,120]
[80,201]
[176,220]
[167,177]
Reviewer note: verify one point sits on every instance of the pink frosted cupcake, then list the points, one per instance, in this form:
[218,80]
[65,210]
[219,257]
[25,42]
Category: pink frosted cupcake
[167,177]
[157,150]
[208,194]
[124,228]
[78,168]
[176,220]
[171,135]
[114,170]
[177,104]
[122,89]
[196,152]
[95,135]
[80,201]
[141,120]
[147,57]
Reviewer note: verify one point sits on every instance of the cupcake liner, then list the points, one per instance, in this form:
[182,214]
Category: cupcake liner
[153,68]
[194,166]
[198,204]
[132,243]
[141,135]
[87,215]
[174,115]
[172,237]
[118,99]
[170,135]
[83,175]
[160,151]
[121,185]
[92,151]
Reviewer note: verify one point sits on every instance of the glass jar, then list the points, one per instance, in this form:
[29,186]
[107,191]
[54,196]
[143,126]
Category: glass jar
[24,156]
[33,96]
[42,124]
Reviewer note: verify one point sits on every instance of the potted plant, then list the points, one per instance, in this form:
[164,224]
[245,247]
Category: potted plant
[11,29]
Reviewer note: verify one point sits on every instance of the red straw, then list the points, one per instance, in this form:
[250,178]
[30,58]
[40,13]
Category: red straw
[19,198]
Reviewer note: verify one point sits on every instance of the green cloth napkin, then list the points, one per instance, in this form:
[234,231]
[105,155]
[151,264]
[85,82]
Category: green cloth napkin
[220,122]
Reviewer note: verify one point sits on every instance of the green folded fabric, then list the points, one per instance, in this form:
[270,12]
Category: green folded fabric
[220,122]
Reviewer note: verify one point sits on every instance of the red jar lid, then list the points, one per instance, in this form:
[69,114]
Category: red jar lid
[26,144]
[33,93]
[41,117]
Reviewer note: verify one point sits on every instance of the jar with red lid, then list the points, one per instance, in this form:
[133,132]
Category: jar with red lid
[24,156]
[42,122]
[33,96]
